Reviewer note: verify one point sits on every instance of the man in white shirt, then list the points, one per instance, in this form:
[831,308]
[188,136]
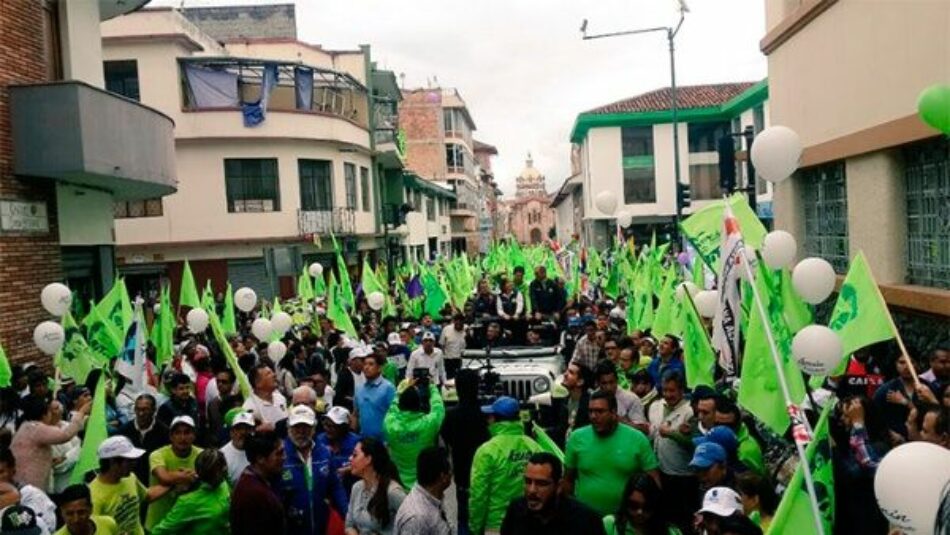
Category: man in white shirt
[428,356]
[669,430]
[452,341]
[233,451]
[268,405]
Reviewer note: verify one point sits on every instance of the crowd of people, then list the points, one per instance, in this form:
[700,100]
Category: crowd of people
[351,435]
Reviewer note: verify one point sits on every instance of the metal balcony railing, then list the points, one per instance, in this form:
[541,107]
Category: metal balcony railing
[339,221]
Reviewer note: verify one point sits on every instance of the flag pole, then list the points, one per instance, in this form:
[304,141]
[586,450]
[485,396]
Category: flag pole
[801,430]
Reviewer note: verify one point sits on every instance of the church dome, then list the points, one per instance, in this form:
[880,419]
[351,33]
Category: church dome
[530,181]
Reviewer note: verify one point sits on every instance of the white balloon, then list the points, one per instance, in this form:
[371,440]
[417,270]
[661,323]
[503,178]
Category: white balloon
[776,153]
[56,298]
[817,350]
[157,308]
[778,249]
[624,218]
[813,279]
[911,485]
[606,202]
[245,299]
[281,322]
[315,269]
[706,302]
[276,350]
[49,337]
[684,287]
[376,300]
[261,328]
[197,320]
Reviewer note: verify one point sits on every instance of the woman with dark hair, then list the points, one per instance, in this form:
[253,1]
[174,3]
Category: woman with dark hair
[286,375]
[376,497]
[32,443]
[758,498]
[206,509]
[640,511]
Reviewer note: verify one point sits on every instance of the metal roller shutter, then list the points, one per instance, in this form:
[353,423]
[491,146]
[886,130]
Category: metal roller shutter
[251,273]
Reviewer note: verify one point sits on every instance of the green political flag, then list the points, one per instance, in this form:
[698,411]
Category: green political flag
[612,287]
[188,296]
[102,335]
[860,316]
[369,281]
[228,320]
[207,296]
[217,330]
[304,286]
[121,315]
[797,312]
[163,329]
[760,392]
[335,311]
[704,227]
[319,286]
[699,357]
[664,320]
[546,442]
[795,513]
[76,359]
[642,301]
[699,273]
[96,433]
[435,296]
[6,373]
[347,296]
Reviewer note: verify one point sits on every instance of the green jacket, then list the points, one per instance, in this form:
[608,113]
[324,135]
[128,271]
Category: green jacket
[410,432]
[498,474]
[750,453]
[203,511]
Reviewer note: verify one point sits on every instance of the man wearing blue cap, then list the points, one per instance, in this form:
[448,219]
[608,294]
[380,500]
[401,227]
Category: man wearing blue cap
[498,466]
[711,464]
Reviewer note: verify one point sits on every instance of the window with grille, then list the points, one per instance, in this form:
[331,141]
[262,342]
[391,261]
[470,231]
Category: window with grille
[703,137]
[349,177]
[316,185]
[364,188]
[825,199]
[122,77]
[639,179]
[927,187]
[252,184]
[143,208]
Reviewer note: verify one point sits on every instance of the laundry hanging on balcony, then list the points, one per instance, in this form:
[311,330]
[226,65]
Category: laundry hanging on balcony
[211,88]
[303,87]
[254,111]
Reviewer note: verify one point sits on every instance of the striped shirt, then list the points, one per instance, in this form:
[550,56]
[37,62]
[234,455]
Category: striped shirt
[421,514]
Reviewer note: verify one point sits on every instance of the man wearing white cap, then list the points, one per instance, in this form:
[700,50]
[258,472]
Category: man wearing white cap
[116,492]
[719,503]
[350,378]
[172,466]
[429,356]
[233,451]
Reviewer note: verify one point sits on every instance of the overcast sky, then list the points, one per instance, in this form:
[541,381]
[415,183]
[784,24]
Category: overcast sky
[521,65]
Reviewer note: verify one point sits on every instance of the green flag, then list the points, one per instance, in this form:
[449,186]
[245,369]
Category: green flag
[101,334]
[229,321]
[76,359]
[546,442]
[699,357]
[797,312]
[612,287]
[343,273]
[304,286]
[369,281]
[217,331]
[704,227]
[664,321]
[435,296]
[319,286]
[188,296]
[163,329]
[860,316]
[96,433]
[760,392]
[794,513]
[642,301]
[6,374]
[335,311]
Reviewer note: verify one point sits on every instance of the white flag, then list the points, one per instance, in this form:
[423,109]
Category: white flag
[725,335]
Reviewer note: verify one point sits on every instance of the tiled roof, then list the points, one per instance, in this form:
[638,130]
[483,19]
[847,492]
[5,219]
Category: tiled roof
[484,147]
[228,23]
[691,96]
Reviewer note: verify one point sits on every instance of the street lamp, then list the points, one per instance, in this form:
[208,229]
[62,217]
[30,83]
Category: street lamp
[671,32]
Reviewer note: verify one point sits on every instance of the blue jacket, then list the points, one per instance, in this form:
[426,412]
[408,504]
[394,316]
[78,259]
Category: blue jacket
[338,460]
[307,512]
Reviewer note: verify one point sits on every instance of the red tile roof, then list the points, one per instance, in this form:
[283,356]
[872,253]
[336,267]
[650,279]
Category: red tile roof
[691,96]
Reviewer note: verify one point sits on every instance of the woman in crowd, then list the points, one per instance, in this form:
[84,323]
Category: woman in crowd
[639,512]
[862,439]
[32,443]
[205,509]
[758,498]
[377,495]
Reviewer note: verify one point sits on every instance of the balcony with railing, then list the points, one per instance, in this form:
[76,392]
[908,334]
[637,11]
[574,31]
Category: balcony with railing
[303,101]
[339,221]
[389,138]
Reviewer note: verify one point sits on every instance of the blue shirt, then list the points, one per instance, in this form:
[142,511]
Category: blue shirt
[657,369]
[372,400]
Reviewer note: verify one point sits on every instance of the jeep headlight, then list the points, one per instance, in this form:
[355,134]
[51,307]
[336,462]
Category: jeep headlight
[540,385]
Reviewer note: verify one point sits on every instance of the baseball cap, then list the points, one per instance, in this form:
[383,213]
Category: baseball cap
[503,406]
[428,336]
[394,339]
[721,435]
[116,447]
[19,520]
[721,501]
[706,455]
[338,415]
[187,420]
[243,418]
[358,352]
[302,414]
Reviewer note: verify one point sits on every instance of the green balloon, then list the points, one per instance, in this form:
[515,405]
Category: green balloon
[933,106]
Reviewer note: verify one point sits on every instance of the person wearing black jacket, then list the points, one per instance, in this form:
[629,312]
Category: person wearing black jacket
[547,299]
[464,430]
[541,511]
[145,432]
[573,414]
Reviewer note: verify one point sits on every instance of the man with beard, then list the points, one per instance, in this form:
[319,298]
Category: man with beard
[541,511]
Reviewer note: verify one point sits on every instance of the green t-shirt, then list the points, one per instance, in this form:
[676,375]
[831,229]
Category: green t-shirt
[165,458]
[610,526]
[121,502]
[604,464]
[104,526]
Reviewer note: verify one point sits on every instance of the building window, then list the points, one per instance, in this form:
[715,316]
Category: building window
[122,78]
[143,208]
[430,208]
[703,137]
[704,181]
[316,185]
[455,158]
[349,177]
[758,118]
[417,200]
[252,184]
[364,188]
[927,176]
[825,198]
[639,179]
[51,40]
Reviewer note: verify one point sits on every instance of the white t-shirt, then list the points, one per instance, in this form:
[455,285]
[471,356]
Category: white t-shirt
[435,362]
[267,412]
[237,462]
[452,342]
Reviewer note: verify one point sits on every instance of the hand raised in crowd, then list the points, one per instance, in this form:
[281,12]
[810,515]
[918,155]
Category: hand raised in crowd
[854,412]
[897,397]
[925,394]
